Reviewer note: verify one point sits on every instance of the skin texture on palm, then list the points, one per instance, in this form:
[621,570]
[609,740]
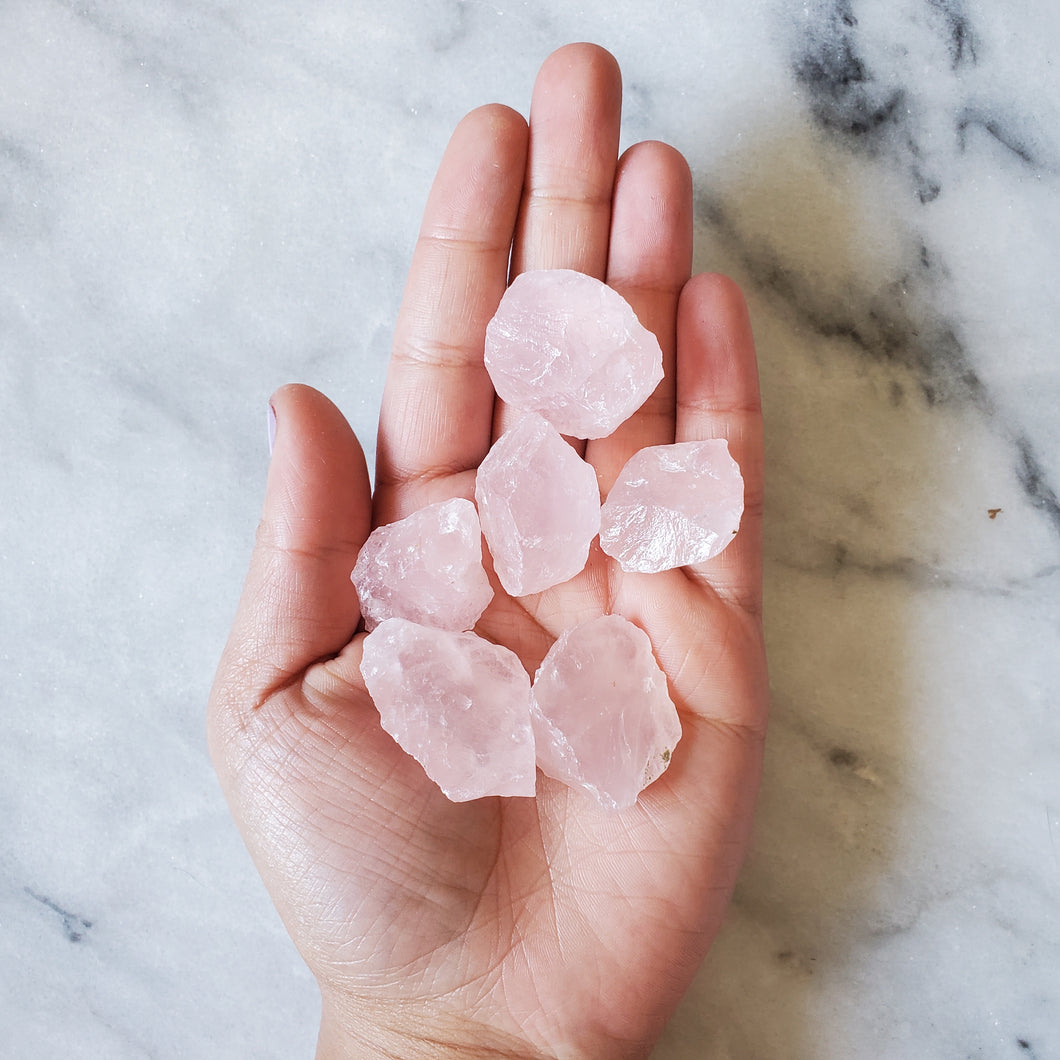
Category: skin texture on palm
[536,927]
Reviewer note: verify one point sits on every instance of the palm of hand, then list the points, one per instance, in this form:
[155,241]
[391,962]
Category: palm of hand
[526,926]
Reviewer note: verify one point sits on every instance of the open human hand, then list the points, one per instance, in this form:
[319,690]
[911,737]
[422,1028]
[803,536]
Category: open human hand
[502,927]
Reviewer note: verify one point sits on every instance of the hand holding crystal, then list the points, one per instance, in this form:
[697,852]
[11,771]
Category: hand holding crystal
[526,926]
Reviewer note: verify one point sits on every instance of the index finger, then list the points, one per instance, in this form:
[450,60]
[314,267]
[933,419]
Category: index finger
[437,408]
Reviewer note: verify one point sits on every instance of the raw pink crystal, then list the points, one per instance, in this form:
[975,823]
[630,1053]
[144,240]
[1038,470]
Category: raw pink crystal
[426,568]
[455,702]
[603,719]
[672,505]
[571,348]
[539,503]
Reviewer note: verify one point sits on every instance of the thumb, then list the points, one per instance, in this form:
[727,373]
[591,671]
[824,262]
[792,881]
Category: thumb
[298,604]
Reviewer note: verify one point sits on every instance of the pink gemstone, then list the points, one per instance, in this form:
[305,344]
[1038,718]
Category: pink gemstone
[603,719]
[426,568]
[567,346]
[455,702]
[672,505]
[539,503]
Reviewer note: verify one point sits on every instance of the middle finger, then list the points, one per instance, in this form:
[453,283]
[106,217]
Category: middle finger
[565,215]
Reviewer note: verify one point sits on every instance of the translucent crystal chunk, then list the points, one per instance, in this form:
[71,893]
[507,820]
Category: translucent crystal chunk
[569,347]
[455,702]
[539,503]
[426,568]
[603,718]
[672,505]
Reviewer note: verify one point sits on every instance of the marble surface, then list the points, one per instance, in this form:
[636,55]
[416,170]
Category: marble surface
[200,201]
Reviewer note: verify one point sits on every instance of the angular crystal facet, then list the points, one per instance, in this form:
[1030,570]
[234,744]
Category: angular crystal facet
[426,568]
[569,347]
[603,718]
[672,505]
[539,504]
[455,702]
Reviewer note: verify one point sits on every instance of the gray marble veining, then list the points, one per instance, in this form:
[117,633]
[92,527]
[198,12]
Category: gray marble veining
[199,202]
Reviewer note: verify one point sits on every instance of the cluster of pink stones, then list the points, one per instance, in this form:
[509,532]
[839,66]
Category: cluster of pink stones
[569,352]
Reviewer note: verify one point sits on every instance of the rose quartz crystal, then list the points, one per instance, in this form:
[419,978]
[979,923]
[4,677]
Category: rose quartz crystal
[672,505]
[540,507]
[603,719]
[569,347]
[426,568]
[455,702]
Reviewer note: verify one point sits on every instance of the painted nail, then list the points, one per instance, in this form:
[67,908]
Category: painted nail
[272,427]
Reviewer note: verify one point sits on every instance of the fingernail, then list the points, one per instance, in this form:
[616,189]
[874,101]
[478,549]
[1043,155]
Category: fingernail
[272,427]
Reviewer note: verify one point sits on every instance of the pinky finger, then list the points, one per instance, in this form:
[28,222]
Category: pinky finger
[718,397]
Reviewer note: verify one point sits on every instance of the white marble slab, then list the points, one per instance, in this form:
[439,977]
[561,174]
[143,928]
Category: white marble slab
[200,201]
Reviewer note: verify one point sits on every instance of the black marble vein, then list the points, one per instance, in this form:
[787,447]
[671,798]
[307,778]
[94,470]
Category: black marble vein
[893,329]
[74,925]
[1016,143]
[845,97]
[867,111]
[870,110]
[1033,481]
[886,327]
[962,38]
[923,576]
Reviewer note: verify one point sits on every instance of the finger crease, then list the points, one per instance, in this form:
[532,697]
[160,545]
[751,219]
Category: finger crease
[342,550]
[418,476]
[720,408]
[461,244]
[669,289]
[593,200]
[438,354]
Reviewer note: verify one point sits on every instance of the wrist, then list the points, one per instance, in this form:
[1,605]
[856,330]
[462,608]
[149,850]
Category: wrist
[411,1032]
